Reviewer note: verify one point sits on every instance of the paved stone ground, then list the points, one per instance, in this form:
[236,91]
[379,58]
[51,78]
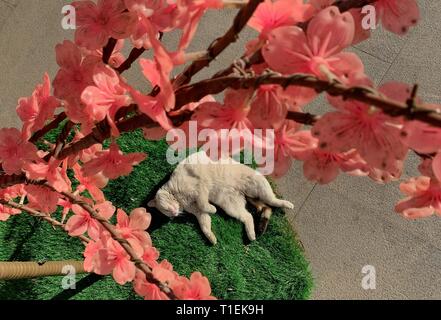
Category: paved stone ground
[343,226]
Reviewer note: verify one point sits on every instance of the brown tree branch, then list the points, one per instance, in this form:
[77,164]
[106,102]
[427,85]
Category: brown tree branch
[219,44]
[61,140]
[197,91]
[50,126]
[108,50]
[12,180]
[133,56]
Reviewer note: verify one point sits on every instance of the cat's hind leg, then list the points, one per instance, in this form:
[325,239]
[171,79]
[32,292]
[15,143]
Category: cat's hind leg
[265,214]
[266,194]
[234,206]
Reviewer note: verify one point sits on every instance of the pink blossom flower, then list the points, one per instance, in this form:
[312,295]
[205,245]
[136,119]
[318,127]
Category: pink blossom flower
[425,139]
[107,96]
[322,166]
[14,151]
[164,273]
[37,109]
[106,256]
[270,15]
[96,23]
[269,108]
[55,175]
[13,192]
[319,51]
[158,72]
[6,212]
[91,252]
[150,256]
[67,207]
[372,133]
[424,198]
[112,163]
[284,145]
[158,14]
[146,289]
[133,228]
[114,259]
[195,288]
[84,155]
[232,114]
[116,58]
[42,198]
[360,33]
[398,16]
[92,184]
[75,73]
[82,222]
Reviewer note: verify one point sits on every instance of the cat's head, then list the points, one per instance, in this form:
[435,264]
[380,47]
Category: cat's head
[166,203]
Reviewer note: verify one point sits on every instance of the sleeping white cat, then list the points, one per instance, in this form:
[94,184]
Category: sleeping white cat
[198,182]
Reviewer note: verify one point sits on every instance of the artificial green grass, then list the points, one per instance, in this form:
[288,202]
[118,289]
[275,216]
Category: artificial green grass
[273,267]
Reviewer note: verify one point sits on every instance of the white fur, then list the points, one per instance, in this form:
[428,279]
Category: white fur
[198,182]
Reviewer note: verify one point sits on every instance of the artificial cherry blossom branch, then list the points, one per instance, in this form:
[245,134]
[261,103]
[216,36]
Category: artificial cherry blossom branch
[124,244]
[219,44]
[256,58]
[40,215]
[366,95]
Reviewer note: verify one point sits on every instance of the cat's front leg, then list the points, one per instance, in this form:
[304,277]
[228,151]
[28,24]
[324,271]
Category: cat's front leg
[203,201]
[204,220]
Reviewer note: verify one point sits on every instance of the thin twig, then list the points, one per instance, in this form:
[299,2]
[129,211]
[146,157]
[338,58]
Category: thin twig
[133,56]
[42,216]
[220,44]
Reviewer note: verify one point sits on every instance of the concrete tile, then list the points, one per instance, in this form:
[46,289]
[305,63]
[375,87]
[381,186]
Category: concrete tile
[28,40]
[5,12]
[420,59]
[341,236]
[383,45]
[295,188]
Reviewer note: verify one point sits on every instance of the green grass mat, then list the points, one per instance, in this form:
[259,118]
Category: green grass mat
[273,267]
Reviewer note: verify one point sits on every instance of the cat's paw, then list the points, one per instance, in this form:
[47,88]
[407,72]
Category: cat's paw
[210,209]
[287,205]
[212,240]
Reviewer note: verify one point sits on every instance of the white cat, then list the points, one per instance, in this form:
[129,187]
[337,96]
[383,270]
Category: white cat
[198,182]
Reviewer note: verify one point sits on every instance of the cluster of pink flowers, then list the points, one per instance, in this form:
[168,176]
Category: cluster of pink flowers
[294,37]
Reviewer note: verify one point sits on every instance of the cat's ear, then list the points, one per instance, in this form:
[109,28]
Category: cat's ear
[152,203]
